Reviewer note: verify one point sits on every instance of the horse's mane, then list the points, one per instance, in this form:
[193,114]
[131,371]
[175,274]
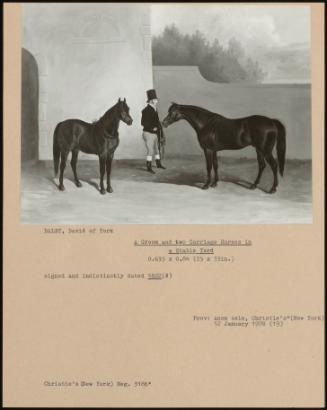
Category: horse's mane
[101,122]
[105,114]
[196,108]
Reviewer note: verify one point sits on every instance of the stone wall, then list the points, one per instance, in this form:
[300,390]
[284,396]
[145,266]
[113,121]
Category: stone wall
[290,103]
[87,57]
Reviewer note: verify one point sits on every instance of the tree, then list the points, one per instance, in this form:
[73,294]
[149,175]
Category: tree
[235,49]
[254,72]
[215,63]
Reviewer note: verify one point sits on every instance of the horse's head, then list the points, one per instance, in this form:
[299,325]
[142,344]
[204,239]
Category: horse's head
[123,110]
[174,115]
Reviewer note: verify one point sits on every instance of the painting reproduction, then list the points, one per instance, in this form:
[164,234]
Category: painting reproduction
[166,114]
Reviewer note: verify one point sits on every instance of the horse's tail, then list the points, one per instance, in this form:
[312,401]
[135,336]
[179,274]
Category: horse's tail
[56,150]
[281,145]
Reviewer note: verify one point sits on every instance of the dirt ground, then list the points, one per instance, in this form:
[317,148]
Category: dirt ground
[171,196]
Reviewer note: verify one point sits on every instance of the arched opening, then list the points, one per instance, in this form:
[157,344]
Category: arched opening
[30,108]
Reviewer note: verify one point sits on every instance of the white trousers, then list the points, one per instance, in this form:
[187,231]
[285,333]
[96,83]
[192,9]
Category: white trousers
[151,144]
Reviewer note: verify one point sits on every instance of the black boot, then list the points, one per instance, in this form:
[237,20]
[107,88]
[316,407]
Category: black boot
[149,167]
[159,164]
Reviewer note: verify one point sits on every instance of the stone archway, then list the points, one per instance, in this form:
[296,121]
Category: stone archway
[29,108]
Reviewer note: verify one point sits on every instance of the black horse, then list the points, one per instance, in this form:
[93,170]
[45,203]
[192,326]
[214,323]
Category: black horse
[216,133]
[100,138]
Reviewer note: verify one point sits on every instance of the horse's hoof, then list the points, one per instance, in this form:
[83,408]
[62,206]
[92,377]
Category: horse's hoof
[213,185]
[272,191]
[253,186]
[102,191]
[205,186]
[61,188]
[110,190]
[78,184]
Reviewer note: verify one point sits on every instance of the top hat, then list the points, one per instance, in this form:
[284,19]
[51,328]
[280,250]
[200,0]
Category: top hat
[151,95]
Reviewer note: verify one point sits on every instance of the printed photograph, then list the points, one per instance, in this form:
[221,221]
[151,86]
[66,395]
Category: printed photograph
[166,113]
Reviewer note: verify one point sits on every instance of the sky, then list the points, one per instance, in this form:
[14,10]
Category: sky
[277,36]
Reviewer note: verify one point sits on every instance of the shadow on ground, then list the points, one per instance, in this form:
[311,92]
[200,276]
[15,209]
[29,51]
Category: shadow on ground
[140,192]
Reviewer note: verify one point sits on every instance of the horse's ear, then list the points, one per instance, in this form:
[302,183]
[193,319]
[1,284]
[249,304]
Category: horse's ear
[124,100]
[119,99]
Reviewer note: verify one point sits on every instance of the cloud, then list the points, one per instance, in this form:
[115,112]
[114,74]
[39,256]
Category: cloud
[291,63]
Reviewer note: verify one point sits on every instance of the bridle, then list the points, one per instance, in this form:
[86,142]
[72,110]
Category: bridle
[124,116]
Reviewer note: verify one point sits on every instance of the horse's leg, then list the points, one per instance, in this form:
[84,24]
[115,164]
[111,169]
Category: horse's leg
[208,155]
[270,141]
[102,161]
[73,163]
[262,166]
[63,159]
[108,164]
[215,168]
[273,164]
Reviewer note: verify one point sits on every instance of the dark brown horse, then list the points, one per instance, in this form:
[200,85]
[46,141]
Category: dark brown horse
[100,138]
[216,133]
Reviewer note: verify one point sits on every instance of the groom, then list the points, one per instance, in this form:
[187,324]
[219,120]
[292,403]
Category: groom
[152,131]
